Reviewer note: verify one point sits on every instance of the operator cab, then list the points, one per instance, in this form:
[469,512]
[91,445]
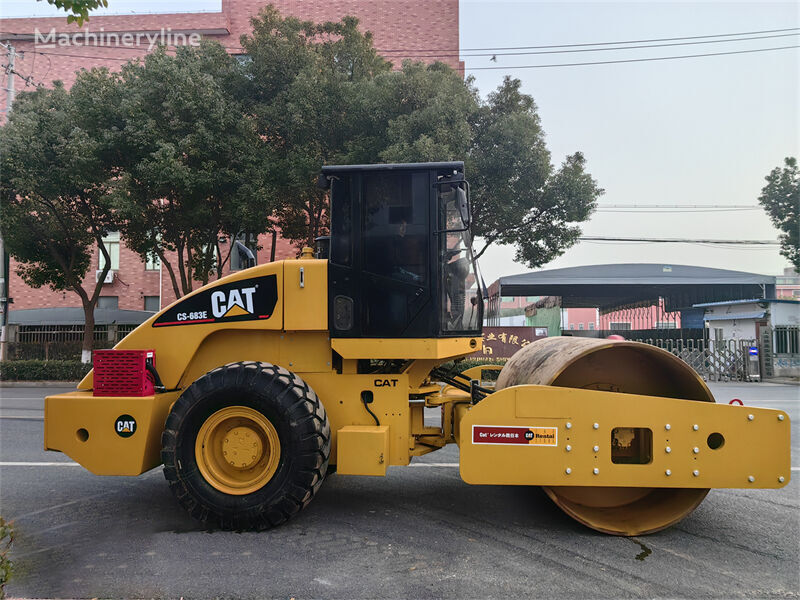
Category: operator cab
[400,260]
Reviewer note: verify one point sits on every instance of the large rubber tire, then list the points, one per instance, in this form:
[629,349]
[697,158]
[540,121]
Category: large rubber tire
[294,411]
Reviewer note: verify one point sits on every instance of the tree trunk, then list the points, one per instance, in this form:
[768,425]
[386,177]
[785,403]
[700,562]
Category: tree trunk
[88,331]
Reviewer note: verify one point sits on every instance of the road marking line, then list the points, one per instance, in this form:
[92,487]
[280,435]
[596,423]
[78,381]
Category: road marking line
[22,418]
[433,465]
[39,464]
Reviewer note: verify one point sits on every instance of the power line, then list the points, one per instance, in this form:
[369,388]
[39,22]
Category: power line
[670,39]
[431,54]
[630,60]
[719,206]
[679,241]
[82,56]
[495,51]
[673,209]
[605,62]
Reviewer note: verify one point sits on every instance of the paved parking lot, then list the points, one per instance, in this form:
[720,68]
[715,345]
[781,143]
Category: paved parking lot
[419,532]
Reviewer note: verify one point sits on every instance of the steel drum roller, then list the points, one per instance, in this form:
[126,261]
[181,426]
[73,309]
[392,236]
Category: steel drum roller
[618,366]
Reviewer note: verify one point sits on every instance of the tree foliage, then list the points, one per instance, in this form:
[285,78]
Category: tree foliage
[190,162]
[781,201]
[340,102]
[55,204]
[305,83]
[78,10]
[519,198]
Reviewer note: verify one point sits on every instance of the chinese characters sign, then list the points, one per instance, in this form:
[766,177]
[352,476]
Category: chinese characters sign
[503,342]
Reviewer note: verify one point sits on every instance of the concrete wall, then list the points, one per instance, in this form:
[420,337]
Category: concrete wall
[786,365]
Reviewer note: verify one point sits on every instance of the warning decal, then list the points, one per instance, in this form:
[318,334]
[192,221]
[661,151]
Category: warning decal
[529,436]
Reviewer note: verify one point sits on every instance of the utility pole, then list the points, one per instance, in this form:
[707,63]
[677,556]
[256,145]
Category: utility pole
[11,56]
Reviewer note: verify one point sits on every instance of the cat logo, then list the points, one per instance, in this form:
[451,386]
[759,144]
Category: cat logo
[241,300]
[234,303]
[125,426]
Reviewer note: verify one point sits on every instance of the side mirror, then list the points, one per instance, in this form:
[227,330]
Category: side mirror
[246,255]
[323,182]
[462,202]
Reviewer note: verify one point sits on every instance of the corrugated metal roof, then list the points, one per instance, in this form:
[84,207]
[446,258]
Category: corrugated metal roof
[752,301]
[617,286]
[637,273]
[735,316]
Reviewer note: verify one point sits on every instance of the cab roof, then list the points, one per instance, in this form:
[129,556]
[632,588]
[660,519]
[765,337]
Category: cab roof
[457,165]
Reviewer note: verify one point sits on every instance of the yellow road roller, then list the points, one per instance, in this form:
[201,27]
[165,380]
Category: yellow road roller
[253,388]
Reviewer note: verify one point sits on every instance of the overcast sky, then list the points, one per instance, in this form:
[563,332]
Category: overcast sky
[700,131]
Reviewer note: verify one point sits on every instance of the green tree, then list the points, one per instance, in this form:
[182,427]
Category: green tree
[55,202]
[781,201]
[321,94]
[190,162]
[78,10]
[421,113]
[518,197]
[304,88]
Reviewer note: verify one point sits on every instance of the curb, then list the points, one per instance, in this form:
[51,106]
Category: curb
[782,380]
[11,384]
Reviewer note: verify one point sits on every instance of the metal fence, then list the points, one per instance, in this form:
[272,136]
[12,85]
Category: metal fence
[714,360]
[60,342]
[786,339]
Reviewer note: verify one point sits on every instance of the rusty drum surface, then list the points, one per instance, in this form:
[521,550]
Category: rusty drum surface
[618,366]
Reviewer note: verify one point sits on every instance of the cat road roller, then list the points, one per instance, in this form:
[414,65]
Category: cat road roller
[252,388]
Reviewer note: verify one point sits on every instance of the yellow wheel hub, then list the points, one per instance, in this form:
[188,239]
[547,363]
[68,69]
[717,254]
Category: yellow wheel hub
[237,450]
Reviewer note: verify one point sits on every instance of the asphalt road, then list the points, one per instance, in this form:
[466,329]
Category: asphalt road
[419,532]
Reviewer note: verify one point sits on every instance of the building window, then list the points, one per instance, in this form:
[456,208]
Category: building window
[152,262]
[796,293]
[532,298]
[591,325]
[580,326]
[151,303]
[572,325]
[506,299]
[108,302]
[666,325]
[787,340]
[111,242]
[622,325]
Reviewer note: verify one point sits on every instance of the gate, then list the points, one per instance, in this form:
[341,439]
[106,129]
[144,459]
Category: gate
[714,360]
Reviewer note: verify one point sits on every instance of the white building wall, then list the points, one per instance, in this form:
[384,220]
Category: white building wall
[784,313]
[735,329]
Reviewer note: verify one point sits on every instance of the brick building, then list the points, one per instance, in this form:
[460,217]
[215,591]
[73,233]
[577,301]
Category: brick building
[400,28]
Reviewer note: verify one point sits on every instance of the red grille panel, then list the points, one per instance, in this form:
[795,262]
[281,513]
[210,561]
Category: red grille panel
[123,372]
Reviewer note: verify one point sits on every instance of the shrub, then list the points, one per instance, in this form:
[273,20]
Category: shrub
[43,370]
[6,537]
